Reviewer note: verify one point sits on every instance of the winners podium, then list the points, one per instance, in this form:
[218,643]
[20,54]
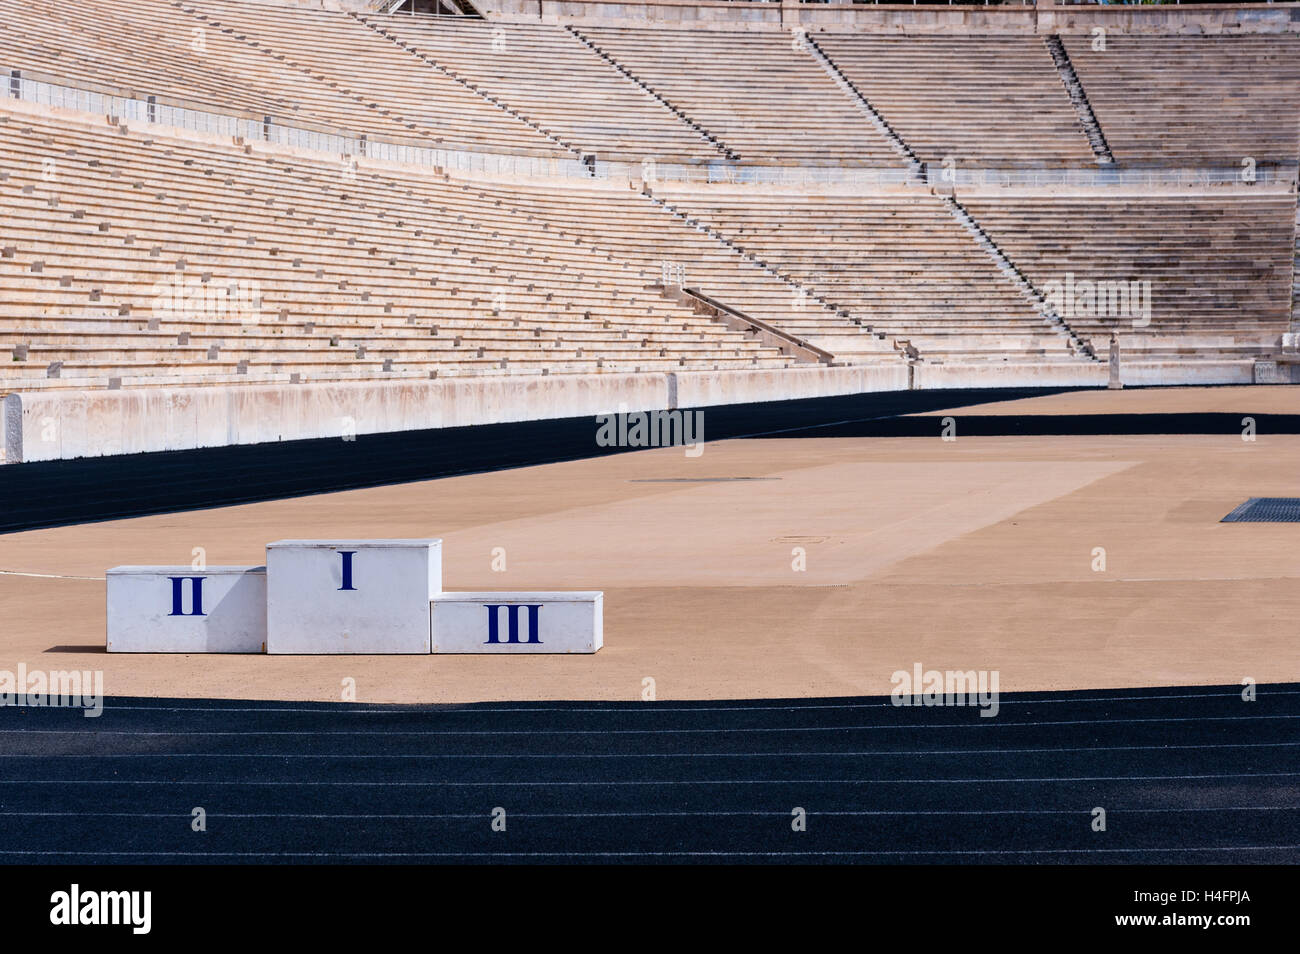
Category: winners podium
[360,597]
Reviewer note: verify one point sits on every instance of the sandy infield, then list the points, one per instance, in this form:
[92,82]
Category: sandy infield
[972,554]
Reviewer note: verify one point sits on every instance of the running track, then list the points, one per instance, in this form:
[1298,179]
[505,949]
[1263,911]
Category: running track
[1185,775]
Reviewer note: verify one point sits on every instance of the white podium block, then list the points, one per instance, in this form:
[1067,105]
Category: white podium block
[351,596]
[178,609]
[517,622]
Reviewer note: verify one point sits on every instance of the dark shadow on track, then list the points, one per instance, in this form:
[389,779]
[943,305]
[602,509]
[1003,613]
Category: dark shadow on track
[1184,775]
[1046,425]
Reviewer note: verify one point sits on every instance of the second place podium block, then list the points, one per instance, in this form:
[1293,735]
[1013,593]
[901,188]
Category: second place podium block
[178,609]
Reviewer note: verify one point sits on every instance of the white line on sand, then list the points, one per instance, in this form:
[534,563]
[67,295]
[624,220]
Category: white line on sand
[49,576]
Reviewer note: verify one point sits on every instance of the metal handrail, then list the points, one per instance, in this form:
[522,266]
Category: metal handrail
[791,342]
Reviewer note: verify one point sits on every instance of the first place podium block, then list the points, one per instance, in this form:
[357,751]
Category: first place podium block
[351,596]
[178,609]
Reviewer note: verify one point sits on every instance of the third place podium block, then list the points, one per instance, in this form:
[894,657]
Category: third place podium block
[351,596]
[569,622]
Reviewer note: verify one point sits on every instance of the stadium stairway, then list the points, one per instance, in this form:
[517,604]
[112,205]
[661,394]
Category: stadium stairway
[914,165]
[362,60]
[1073,344]
[1193,100]
[882,66]
[1217,272]
[961,101]
[559,83]
[1008,268]
[710,137]
[397,40]
[895,265]
[769,103]
[1096,137]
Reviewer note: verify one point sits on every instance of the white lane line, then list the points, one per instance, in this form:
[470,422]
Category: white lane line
[427,783]
[630,755]
[975,723]
[661,814]
[637,854]
[632,814]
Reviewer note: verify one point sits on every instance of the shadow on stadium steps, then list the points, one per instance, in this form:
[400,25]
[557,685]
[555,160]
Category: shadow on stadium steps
[54,493]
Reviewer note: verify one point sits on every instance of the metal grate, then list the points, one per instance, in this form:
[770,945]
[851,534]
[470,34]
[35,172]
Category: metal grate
[1266,510]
